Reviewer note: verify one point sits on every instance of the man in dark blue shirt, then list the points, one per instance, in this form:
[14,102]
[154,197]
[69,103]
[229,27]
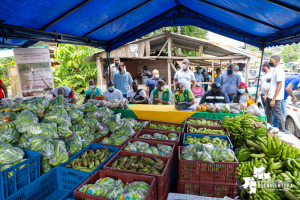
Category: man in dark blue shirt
[152,82]
[290,84]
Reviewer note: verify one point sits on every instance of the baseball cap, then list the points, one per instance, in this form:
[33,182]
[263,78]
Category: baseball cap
[216,85]
[236,67]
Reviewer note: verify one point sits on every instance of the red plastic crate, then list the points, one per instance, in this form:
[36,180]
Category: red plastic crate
[208,127]
[161,180]
[206,189]
[166,123]
[125,177]
[214,120]
[98,141]
[202,171]
[151,143]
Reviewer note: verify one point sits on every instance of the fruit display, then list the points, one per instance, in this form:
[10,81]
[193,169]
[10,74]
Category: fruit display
[203,107]
[89,160]
[9,135]
[206,152]
[207,140]
[114,140]
[203,122]
[144,147]
[165,127]
[243,127]
[140,164]
[277,157]
[87,107]
[110,188]
[158,136]
[207,131]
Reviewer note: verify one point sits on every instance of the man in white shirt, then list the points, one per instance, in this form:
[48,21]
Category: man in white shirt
[236,70]
[112,93]
[161,95]
[265,82]
[136,95]
[144,75]
[185,76]
[276,93]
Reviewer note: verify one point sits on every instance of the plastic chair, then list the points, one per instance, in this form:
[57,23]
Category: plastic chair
[77,97]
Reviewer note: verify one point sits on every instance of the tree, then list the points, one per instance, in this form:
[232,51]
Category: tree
[288,54]
[73,71]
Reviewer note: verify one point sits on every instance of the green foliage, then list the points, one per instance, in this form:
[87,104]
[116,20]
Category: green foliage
[73,71]
[5,65]
[288,54]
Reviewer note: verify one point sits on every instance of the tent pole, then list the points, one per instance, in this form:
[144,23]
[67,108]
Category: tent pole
[261,62]
[108,65]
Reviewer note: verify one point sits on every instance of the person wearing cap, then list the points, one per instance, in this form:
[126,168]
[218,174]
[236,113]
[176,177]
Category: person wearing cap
[230,82]
[185,76]
[242,94]
[183,95]
[215,95]
[236,70]
[161,95]
[198,75]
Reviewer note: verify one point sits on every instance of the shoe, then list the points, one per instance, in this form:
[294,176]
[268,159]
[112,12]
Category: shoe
[287,132]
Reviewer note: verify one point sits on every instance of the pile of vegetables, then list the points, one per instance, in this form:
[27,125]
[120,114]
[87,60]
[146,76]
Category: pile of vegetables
[57,129]
[203,122]
[206,131]
[158,136]
[144,147]
[206,140]
[165,127]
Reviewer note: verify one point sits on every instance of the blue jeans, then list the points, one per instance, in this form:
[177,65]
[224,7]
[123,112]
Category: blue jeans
[262,101]
[125,96]
[283,110]
[230,97]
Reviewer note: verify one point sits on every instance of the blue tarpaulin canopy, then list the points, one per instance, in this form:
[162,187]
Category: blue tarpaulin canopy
[111,24]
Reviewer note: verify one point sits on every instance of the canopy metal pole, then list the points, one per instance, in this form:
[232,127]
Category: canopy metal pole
[261,62]
[108,65]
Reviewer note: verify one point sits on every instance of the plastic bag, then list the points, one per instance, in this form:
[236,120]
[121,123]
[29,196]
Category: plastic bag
[45,167]
[92,124]
[107,181]
[146,136]
[102,129]
[73,144]
[47,130]
[88,107]
[252,108]
[11,155]
[160,136]
[131,147]
[70,106]
[86,141]
[75,115]
[64,131]
[58,99]
[80,129]
[173,136]
[5,145]
[24,114]
[129,195]
[18,99]
[165,149]
[24,123]
[40,145]
[125,130]
[225,155]
[98,190]
[60,153]
[9,135]
[234,111]
[235,106]
[191,149]
[113,122]
[204,156]
[115,192]
[97,114]
[141,146]
[106,111]
[138,186]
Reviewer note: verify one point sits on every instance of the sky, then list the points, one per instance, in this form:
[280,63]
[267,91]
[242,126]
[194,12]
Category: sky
[223,40]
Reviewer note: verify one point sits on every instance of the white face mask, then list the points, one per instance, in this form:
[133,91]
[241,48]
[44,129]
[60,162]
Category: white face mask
[183,66]
[157,75]
[92,86]
[145,71]
[163,87]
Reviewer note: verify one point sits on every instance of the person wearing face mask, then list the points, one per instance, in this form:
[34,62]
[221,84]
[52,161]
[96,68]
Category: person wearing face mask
[206,79]
[144,75]
[185,76]
[183,95]
[215,95]
[114,68]
[66,92]
[236,70]
[242,94]
[136,95]
[265,82]
[198,75]
[275,93]
[152,82]
[92,92]
[122,80]
[161,95]
[112,93]
[230,82]
[218,74]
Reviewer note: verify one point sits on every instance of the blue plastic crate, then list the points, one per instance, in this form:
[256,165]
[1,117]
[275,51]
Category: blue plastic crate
[57,184]
[94,147]
[224,137]
[22,177]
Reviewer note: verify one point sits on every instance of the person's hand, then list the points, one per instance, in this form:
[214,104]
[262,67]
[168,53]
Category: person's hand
[265,98]
[272,103]
[258,94]
[157,100]
[295,100]
[133,101]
